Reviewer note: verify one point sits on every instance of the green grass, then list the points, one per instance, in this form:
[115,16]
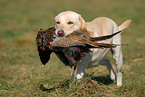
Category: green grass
[21,73]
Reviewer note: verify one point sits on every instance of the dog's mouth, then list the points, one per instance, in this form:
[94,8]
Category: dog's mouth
[60,33]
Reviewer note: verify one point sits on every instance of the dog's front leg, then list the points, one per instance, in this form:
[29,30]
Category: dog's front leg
[82,66]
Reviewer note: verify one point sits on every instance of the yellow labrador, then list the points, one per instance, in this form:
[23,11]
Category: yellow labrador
[69,21]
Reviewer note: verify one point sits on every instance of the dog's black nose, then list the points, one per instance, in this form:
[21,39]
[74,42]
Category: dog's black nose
[60,33]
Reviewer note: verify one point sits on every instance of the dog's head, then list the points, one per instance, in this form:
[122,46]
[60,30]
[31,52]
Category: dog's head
[68,22]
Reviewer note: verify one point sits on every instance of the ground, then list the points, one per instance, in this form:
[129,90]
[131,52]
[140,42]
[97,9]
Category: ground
[21,72]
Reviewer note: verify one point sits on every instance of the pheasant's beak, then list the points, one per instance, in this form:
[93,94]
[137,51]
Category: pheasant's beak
[60,33]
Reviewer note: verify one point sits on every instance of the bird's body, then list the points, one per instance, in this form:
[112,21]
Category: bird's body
[69,49]
[63,50]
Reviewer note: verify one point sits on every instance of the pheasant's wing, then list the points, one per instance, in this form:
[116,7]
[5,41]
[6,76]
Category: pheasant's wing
[74,40]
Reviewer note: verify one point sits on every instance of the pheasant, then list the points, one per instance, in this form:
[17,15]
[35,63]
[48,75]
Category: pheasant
[69,49]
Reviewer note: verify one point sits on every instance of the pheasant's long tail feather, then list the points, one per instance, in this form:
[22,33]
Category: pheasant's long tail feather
[104,37]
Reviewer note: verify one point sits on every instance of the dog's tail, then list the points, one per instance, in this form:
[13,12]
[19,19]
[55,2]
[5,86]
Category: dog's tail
[124,25]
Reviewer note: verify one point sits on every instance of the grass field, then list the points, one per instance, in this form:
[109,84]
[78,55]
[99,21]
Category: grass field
[21,73]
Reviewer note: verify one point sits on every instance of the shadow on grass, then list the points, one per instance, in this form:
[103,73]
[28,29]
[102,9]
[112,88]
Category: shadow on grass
[64,85]
[102,80]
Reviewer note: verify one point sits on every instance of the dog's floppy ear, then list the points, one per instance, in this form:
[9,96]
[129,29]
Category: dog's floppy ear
[82,23]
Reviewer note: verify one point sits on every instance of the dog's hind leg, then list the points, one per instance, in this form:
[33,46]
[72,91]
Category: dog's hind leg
[117,55]
[107,63]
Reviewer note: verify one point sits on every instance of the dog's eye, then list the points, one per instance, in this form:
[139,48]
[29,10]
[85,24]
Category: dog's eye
[70,22]
[57,22]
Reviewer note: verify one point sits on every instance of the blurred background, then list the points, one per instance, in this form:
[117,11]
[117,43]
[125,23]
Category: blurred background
[20,67]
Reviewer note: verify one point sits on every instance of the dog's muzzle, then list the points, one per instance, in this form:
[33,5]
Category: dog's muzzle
[60,33]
